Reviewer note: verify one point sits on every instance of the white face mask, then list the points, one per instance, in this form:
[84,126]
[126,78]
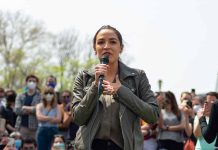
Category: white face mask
[31,85]
[49,97]
[196,108]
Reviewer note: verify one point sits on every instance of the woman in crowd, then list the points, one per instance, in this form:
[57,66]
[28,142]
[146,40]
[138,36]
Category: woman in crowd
[8,112]
[111,119]
[66,114]
[49,116]
[58,142]
[209,131]
[201,143]
[171,125]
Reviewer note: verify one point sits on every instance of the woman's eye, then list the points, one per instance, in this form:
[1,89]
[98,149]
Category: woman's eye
[100,42]
[113,42]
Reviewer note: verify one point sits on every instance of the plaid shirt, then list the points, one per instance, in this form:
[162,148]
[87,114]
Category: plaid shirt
[32,120]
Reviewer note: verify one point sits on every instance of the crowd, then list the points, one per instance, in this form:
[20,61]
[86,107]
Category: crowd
[111,107]
[42,118]
[178,126]
[37,118]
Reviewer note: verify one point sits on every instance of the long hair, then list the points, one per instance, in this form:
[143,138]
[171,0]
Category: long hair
[172,99]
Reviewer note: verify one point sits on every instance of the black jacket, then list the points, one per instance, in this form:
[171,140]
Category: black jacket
[210,131]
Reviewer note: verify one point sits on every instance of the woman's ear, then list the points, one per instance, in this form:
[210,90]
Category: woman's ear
[121,49]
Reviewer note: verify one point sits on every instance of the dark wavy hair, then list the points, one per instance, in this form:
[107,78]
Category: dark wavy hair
[111,28]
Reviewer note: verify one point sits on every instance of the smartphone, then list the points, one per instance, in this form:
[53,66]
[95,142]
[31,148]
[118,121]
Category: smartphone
[189,103]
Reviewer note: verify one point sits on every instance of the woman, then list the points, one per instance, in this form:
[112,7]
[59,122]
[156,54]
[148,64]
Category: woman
[49,116]
[66,113]
[210,131]
[112,119]
[202,144]
[171,125]
[8,112]
[58,142]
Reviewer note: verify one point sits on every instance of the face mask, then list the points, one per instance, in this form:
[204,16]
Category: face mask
[52,84]
[18,143]
[196,108]
[48,97]
[66,100]
[59,146]
[31,85]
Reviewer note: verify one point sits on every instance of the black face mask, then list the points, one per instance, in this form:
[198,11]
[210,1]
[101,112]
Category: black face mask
[11,97]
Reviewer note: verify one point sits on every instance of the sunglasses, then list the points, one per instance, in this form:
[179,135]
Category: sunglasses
[66,96]
[49,93]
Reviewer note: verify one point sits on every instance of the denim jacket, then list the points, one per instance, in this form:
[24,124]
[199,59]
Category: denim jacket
[136,101]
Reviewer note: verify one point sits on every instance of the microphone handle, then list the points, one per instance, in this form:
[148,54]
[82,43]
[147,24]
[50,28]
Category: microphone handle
[100,81]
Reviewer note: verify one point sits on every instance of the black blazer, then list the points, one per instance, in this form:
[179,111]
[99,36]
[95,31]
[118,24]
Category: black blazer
[210,131]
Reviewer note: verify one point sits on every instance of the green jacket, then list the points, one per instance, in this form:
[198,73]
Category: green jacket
[136,101]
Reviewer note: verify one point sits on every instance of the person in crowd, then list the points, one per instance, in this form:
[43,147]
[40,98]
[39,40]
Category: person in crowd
[2,97]
[189,137]
[18,139]
[4,137]
[149,131]
[25,106]
[28,143]
[58,143]
[8,112]
[201,144]
[66,114]
[186,107]
[185,98]
[209,130]
[171,124]
[49,116]
[109,117]
[10,144]
[160,98]
[198,103]
[51,81]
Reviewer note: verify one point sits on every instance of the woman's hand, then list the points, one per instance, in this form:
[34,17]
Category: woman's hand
[100,69]
[111,88]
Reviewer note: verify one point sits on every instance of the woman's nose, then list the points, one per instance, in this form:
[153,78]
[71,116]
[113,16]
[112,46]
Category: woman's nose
[107,45]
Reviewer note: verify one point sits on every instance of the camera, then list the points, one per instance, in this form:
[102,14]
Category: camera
[189,103]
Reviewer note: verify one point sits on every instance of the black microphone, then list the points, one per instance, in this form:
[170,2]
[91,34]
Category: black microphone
[103,60]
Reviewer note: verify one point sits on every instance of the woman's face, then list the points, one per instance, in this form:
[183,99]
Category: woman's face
[58,140]
[107,43]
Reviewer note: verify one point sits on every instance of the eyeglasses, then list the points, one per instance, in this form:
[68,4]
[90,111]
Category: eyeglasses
[31,80]
[66,96]
[49,93]
[28,148]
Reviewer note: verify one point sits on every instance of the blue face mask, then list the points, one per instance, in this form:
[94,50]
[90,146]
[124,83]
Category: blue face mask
[52,84]
[18,143]
[60,146]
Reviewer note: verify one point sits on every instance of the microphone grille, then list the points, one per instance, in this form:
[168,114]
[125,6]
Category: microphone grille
[105,59]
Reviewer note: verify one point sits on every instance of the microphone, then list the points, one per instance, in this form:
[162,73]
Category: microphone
[103,60]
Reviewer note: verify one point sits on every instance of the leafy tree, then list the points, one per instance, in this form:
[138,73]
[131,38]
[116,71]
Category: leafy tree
[20,39]
[72,56]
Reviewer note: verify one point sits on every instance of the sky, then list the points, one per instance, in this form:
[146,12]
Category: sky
[171,40]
